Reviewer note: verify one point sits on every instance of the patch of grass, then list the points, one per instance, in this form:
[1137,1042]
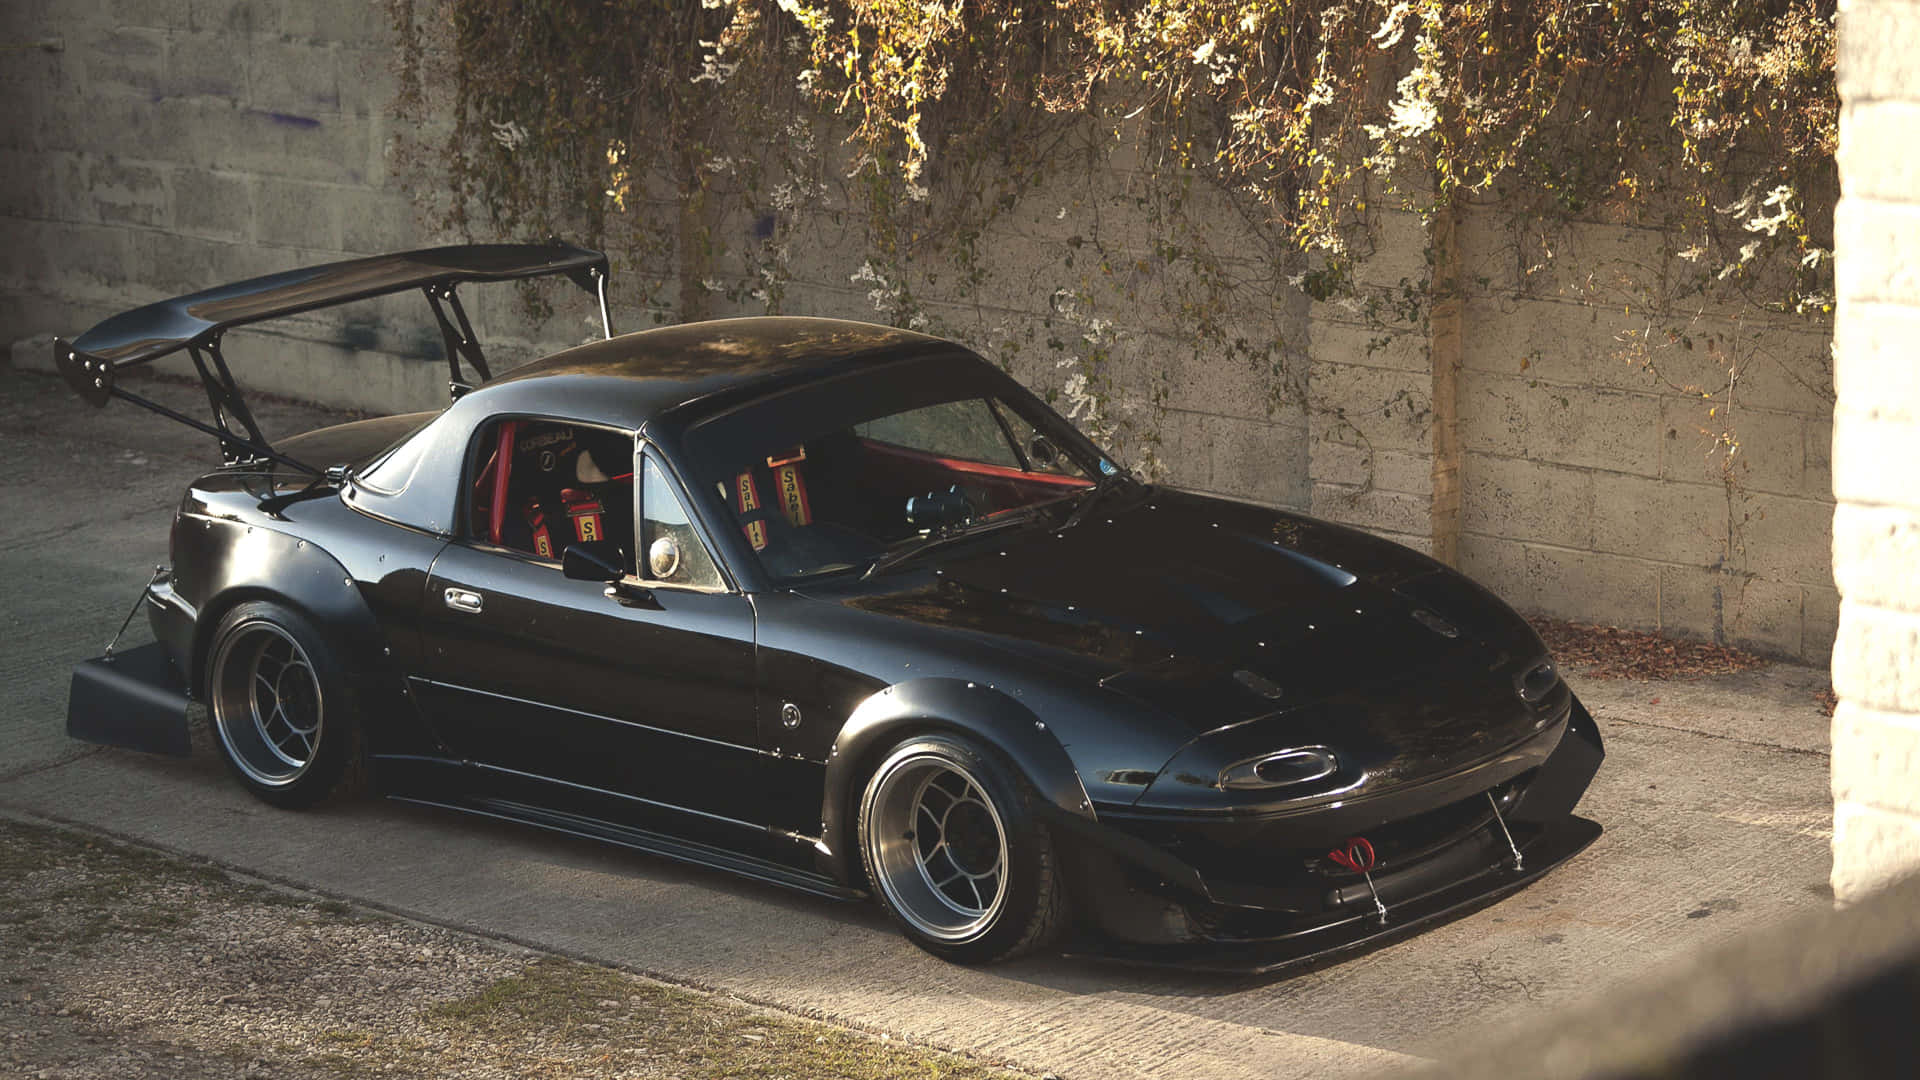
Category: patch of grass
[550,993]
[153,939]
[80,891]
[574,1010]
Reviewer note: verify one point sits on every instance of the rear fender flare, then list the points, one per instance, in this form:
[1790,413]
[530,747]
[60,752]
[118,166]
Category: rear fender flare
[251,562]
[929,706]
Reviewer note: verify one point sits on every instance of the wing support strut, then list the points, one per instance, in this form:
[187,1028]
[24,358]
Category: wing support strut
[223,397]
[600,290]
[459,337]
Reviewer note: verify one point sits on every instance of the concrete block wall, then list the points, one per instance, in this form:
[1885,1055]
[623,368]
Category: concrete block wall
[159,146]
[1593,488]
[1876,441]
[1371,404]
[155,147]
[1598,489]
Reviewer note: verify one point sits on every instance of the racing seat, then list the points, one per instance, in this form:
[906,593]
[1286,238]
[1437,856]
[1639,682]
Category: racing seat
[773,501]
[796,508]
[551,491]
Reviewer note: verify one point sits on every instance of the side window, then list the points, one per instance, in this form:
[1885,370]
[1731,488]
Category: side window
[955,429]
[671,551]
[537,486]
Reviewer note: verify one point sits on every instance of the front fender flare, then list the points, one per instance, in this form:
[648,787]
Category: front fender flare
[929,705]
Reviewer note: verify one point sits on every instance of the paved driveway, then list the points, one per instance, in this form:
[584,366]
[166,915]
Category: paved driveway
[1714,798]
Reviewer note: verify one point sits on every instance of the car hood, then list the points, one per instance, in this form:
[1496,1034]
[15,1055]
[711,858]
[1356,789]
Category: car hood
[1210,611]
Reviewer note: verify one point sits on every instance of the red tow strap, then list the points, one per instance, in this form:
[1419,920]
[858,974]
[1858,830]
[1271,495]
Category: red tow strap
[1357,856]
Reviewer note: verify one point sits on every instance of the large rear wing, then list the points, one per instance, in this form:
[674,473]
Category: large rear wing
[196,323]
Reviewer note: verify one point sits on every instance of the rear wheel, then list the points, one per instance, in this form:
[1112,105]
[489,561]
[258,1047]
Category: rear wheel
[280,708]
[956,856]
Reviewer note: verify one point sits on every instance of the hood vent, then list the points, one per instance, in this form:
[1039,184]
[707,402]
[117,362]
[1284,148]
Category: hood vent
[1435,623]
[1265,687]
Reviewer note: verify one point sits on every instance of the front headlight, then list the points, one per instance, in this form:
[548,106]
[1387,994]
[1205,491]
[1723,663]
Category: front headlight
[1284,768]
[1537,681]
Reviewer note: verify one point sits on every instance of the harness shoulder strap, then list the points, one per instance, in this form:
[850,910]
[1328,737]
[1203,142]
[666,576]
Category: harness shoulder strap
[793,494]
[753,513]
[537,524]
[584,510]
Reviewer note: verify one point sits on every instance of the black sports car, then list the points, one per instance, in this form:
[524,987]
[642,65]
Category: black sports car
[846,608]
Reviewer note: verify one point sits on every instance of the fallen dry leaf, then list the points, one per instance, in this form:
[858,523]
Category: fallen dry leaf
[1608,652]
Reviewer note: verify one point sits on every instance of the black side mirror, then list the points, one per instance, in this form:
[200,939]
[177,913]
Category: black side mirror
[602,560]
[1042,453]
[593,560]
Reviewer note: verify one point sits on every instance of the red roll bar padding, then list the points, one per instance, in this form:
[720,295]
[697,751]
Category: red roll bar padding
[503,462]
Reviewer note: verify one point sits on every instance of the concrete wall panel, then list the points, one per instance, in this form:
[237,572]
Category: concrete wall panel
[1528,500]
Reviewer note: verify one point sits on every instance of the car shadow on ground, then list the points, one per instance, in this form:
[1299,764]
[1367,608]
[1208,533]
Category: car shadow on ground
[363,843]
[845,961]
[1075,968]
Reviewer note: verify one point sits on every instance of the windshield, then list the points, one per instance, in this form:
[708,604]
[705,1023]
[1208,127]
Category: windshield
[832,476]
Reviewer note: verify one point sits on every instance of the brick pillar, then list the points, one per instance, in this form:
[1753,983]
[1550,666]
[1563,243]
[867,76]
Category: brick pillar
[1876,450]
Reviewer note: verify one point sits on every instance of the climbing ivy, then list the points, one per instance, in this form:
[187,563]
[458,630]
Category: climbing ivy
[668,129]
[1719,115]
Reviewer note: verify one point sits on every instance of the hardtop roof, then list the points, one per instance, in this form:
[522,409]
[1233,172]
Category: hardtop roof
[628,380]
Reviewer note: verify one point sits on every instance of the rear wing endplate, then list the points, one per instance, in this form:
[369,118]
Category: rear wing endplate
[197,322]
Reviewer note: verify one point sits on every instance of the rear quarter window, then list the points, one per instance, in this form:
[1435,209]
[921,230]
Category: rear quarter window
[393,468]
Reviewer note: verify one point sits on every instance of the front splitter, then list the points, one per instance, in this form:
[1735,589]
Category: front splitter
[1346,935]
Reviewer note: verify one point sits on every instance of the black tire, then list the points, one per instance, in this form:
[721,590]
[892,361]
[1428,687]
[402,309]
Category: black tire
[279,706]
[950,892]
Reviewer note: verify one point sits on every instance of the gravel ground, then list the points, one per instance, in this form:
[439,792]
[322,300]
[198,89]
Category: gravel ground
[120,962]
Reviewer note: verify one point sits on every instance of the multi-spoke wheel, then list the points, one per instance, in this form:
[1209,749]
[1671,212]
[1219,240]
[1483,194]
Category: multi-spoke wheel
[953,853]
[277,704]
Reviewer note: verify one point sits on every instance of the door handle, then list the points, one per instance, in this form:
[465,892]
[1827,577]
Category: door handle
[464,600]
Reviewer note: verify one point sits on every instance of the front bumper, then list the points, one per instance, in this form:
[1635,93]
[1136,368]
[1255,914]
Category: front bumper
[1250,897]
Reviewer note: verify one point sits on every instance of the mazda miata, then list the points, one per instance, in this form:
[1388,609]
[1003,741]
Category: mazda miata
[842,607]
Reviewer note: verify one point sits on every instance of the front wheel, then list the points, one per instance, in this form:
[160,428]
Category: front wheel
[281,709]
[956,856]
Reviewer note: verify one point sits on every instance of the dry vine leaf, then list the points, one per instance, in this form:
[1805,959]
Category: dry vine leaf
[1608,652]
